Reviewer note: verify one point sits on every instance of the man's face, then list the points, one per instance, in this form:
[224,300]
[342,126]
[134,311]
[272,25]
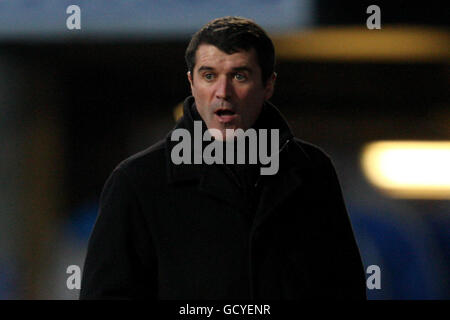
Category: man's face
[228,88]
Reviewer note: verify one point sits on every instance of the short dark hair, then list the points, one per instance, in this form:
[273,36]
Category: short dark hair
[234,34]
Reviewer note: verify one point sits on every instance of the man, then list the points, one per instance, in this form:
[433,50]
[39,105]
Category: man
[185,230]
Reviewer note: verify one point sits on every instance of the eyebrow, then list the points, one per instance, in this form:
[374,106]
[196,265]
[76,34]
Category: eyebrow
[243,68]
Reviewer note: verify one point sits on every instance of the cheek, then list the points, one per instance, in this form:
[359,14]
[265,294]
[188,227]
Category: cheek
[200,94]
[201,100]
[246,95]
[194,91]
[254,97]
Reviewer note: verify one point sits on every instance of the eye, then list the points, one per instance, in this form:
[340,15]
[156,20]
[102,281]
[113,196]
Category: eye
[208,76]
[240,77]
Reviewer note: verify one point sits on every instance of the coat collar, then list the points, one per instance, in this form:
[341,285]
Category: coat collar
[293,163]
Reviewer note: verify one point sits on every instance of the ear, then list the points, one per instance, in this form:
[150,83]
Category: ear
[270,86]
[191,82]
[189,76]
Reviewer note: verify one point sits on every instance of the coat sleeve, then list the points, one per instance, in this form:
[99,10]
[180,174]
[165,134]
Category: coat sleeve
[120,261]
[347,267]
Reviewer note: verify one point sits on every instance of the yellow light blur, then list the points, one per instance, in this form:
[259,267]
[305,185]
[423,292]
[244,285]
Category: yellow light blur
[409,169]
[178,111]
[357,43]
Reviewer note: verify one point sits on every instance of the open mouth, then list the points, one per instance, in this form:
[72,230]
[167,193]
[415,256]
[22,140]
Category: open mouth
[225,112]
[225,115]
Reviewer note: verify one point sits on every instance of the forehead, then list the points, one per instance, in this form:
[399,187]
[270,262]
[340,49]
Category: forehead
[211,56]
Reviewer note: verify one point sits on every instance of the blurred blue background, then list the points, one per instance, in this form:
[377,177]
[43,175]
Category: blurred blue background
[74,103]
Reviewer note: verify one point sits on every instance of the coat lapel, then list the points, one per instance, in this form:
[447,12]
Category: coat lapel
[278,188]
[216,183]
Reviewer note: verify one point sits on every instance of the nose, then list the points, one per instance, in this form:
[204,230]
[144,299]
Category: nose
[223,88]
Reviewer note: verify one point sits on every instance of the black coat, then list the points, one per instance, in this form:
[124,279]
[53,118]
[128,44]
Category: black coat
[168,231]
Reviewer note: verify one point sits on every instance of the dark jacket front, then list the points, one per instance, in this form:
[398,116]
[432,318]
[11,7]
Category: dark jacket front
[169,231]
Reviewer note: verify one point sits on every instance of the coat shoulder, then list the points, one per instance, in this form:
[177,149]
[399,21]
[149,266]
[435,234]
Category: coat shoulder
[148,164]
[315,153]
